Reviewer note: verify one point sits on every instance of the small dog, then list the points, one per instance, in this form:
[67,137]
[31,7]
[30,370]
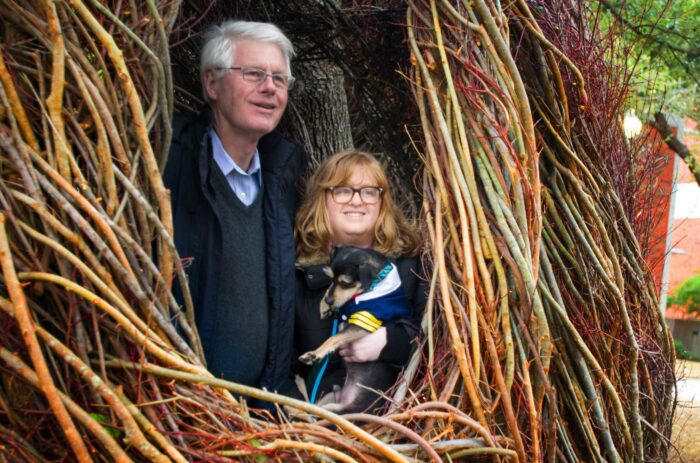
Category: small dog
[366,288]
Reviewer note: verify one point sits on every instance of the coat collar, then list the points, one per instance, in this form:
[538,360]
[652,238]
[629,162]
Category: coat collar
[275,150]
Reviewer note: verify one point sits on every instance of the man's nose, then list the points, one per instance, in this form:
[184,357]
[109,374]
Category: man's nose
[268,84]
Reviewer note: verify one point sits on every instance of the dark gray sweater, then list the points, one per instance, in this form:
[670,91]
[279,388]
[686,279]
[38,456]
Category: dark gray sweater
[236,347]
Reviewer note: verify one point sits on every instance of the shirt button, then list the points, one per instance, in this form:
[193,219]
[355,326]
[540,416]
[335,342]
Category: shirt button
[242,195]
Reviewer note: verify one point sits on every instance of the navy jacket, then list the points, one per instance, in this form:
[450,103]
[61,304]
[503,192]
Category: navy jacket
[198,231]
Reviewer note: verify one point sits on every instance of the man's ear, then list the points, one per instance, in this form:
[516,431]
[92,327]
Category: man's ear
[209,84]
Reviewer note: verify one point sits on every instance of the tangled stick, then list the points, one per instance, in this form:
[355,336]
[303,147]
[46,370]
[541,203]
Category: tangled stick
[541,329]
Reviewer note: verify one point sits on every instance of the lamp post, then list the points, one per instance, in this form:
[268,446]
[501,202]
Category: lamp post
[631,125]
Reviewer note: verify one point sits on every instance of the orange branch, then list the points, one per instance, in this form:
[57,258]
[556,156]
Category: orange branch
[26,325]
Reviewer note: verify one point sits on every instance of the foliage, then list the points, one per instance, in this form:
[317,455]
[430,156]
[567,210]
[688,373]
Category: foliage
[683,354]
[661,39]
[688,295]
[104,421]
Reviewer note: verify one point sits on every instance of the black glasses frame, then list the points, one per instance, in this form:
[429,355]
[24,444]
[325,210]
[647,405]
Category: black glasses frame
[333,190]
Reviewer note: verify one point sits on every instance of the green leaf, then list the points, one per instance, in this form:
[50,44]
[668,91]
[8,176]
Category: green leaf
[687,295]
[256,443]
[102,419]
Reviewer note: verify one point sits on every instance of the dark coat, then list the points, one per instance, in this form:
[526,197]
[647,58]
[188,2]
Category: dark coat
[311,331]
[198,233]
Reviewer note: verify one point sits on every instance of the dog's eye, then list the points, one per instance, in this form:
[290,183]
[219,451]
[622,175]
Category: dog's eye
[345,280]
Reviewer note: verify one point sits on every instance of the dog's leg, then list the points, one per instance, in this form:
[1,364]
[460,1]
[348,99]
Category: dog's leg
[301,385]
[335,407]
[330,398]
[333,401]
[364,384]
[338,401]
[350,334]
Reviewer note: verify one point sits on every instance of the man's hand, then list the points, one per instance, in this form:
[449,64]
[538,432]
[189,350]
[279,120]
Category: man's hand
[366,349]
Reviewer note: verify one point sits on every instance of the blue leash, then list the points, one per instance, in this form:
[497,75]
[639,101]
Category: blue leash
[319,376]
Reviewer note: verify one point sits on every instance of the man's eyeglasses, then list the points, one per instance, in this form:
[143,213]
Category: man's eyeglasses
[258,76]
[344,194]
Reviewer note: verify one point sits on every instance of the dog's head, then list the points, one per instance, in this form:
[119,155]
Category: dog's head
[352,271]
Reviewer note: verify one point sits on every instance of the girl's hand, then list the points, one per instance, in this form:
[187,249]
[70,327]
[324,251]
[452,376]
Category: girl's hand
[366,349]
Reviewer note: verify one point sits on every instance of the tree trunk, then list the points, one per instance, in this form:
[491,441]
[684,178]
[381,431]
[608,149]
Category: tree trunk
[317,113]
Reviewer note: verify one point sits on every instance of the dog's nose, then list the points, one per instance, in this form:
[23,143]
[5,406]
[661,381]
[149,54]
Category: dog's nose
[329,301]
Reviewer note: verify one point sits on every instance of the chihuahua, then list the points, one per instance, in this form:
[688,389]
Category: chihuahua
[366,290]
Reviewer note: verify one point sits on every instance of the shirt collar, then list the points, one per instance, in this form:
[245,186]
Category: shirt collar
[226,163]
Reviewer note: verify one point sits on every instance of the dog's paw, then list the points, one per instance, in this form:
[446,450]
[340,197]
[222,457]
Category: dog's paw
[309,358]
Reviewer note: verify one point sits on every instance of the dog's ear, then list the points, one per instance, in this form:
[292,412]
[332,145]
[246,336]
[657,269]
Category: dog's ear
[366,274]
[335,250]
[328,271]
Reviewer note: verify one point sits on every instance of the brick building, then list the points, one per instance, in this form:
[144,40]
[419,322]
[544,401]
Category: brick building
[683,260]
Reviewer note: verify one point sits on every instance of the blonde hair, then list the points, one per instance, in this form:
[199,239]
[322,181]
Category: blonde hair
[393,234]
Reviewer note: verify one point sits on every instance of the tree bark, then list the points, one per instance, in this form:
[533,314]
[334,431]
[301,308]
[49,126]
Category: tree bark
[317,113]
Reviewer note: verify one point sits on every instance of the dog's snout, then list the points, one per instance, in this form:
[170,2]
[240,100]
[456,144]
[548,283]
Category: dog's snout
[329,300]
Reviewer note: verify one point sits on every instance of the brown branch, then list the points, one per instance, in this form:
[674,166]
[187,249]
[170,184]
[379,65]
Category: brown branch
[26,325]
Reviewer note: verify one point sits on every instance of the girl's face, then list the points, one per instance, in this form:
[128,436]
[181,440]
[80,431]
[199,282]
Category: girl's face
[353,222]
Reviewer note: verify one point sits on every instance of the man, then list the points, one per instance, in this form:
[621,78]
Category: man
[234,186]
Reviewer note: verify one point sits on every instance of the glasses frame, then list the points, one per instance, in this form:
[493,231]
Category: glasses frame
[332,190]
[244,69]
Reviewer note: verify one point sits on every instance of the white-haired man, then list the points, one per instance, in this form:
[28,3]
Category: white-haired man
[234,184]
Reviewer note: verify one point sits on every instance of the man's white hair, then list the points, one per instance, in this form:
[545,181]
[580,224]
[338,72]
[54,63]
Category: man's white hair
[220,42]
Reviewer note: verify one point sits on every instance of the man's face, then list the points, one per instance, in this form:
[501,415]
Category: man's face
[245,109]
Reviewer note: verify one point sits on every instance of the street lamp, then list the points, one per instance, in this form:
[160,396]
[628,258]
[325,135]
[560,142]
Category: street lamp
[631,125]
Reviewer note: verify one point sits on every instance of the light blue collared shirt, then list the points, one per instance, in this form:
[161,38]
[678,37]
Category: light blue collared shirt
[244,184]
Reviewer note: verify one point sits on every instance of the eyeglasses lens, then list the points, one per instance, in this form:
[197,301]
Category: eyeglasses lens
[368,195]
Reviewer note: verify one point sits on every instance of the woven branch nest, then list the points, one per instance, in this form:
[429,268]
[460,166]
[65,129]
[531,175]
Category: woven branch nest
[542,338]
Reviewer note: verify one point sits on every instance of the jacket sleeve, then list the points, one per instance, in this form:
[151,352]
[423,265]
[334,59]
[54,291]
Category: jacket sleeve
[282,163]
[173,171]
[400,335]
